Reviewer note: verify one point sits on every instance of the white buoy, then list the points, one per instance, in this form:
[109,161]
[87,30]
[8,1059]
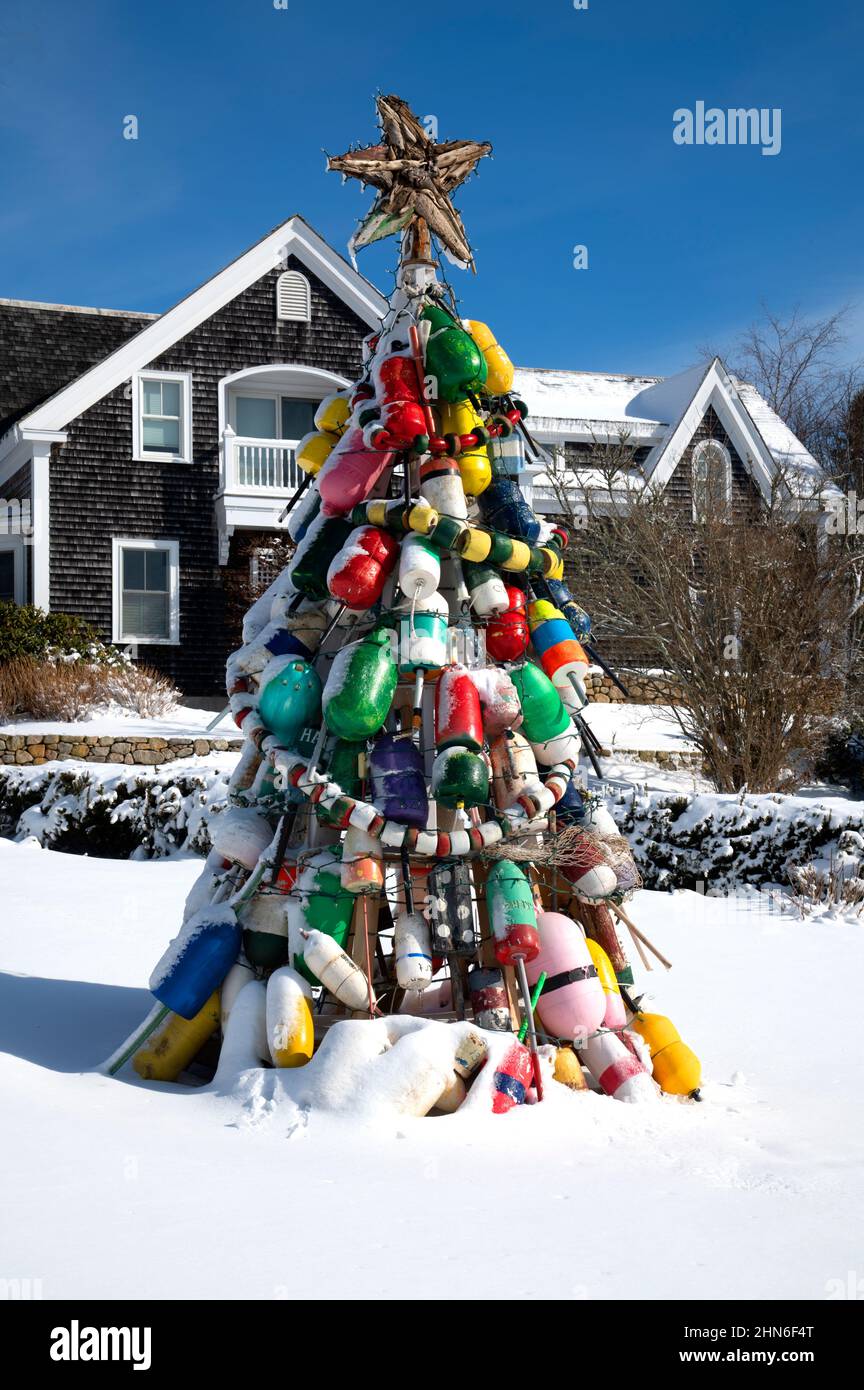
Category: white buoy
[419,568]
[413,951]
[336,970]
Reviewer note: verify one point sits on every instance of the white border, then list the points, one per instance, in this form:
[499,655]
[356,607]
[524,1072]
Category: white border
[142,543]
[141,455]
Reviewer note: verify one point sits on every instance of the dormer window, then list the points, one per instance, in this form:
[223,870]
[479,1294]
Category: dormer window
[712,479]
[293,298]
[162,416]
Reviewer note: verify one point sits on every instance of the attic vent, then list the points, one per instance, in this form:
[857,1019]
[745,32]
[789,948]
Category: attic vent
[293,297]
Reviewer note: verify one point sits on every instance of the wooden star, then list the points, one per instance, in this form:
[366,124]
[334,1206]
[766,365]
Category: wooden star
[414,176]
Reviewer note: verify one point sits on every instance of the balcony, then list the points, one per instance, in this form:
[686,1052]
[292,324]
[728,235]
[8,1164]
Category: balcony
[256,478]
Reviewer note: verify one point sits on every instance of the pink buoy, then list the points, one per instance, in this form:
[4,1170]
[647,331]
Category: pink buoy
[572,1003]
[350,473]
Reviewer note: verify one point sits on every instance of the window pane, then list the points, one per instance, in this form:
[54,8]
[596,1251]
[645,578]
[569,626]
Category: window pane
[161,435]
[156,571]
[256,417]
[170,398]
[298,417]
[145,615]
[7,576]
[133,569]
[152,397]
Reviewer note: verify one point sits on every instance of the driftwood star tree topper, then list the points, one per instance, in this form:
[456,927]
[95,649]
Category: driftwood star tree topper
[414,177]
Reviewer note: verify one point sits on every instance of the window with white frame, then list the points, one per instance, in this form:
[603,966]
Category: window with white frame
[712,479]
[146,591]
[162,418]
[293,297]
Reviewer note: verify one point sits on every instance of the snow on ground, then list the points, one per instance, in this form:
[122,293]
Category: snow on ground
[634,727]
[184,721]
[117,1189]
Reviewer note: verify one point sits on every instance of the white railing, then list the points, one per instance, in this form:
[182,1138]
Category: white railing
[261,465]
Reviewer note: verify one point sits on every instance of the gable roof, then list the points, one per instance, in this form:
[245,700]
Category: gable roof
[291,238]
[663,413]
[45,346]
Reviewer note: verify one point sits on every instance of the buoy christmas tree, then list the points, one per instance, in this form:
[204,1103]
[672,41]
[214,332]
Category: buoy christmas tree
[408,831]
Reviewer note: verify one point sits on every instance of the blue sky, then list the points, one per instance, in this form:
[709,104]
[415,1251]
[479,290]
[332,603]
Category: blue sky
[236,101]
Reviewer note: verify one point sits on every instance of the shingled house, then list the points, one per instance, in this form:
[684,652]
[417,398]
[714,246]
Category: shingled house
[145,459]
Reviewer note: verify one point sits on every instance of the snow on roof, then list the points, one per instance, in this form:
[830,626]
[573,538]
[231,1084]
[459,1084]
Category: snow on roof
[785,447]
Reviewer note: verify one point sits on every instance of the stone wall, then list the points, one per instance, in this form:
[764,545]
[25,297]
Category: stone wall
[655,690]
[23,749]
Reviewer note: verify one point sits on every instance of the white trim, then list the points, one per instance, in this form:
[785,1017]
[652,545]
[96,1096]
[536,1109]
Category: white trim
[118,544]
[141,455]
[40,493]
[704,446]
[293,238]
[15,544]
[716,390]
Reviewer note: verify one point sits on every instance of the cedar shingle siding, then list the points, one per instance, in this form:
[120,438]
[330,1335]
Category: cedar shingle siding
[97,491]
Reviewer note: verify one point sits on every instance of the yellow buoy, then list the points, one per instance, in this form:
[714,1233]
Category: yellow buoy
[568,1070]
[164,1055]
[499,368]
[333,414]
[314,450]
[460,417]
[605,971]
[290,1027]
[677,1069]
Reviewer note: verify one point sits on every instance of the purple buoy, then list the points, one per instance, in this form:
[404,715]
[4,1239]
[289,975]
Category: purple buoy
[398,781]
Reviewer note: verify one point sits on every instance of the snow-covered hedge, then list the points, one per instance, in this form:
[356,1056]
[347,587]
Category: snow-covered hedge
[713,842]
[112,813]
[679,840]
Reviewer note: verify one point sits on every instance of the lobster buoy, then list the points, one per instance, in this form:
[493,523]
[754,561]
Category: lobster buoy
[513,1075]
[475,469]
[360,687]
[578,619]
[241,835]
[240,974]
[398,404]
[423,634]
[546,724]
[172,1047]
[412,950]
[460,779]
[452,1096]
[486,588]
[441,486]
[572,1003]
[507,635]
[357,575]
[616,1068]
[336,970]
[275,639]
[458,716]
[499,702]
[489,1001]
[511,913]
[449,909]
[362,862]
[499,369]
[334,413]
[514,769]
[290,1026]
[351,472]
[568,1070]
[615,1016]
[600,927]
[318,903]
[419,568]
[244,1040]
[323,540]
[264,920]
[197,960]
[452,356]
[303,513]
[561,656]
[677,1069]
[571,808]
[343,767]
[313,450]
[398,780]
[289,698]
